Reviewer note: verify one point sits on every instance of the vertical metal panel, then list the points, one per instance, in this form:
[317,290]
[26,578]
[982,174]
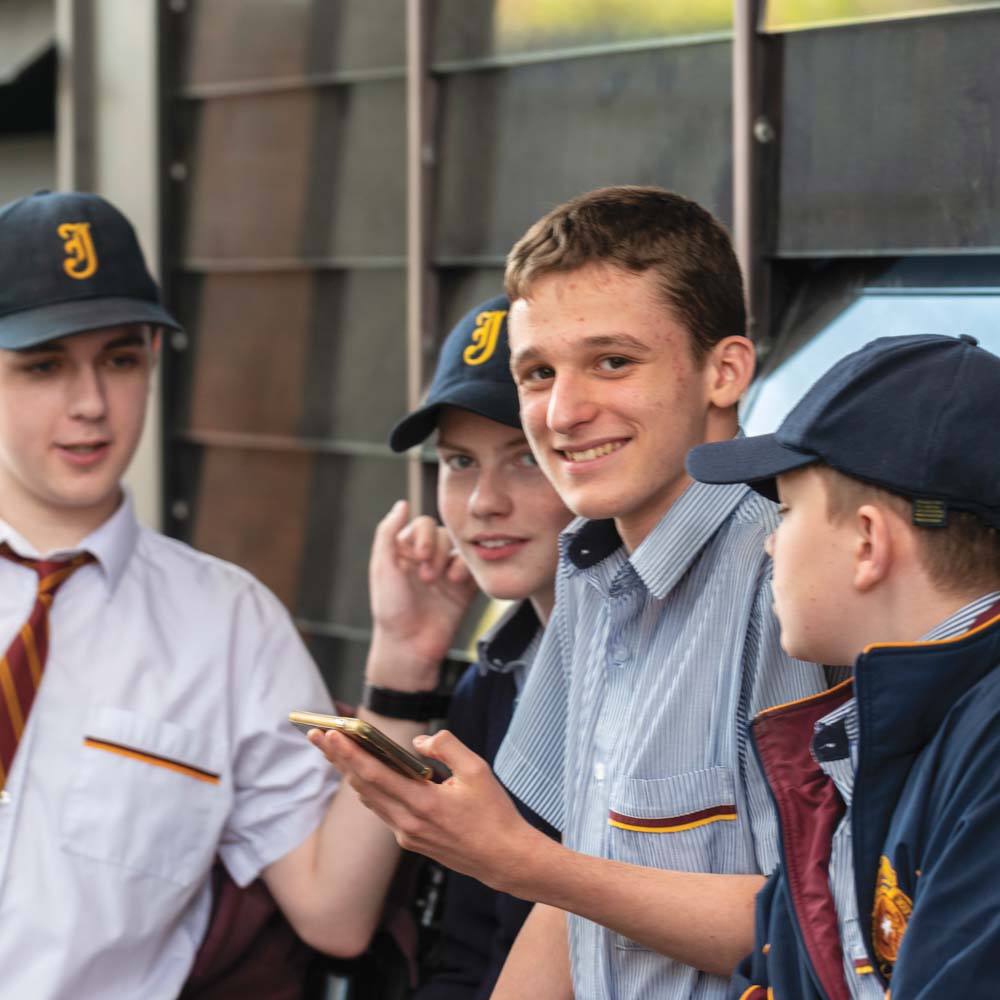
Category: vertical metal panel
[284,144]
[75,95]
[900,155]
[517,141]
[420,156]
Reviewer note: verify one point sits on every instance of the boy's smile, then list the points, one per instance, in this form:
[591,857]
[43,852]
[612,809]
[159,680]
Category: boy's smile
[612,397]
[71,414]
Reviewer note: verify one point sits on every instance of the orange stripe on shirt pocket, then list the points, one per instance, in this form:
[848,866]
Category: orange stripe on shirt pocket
[672,824]
[151,758]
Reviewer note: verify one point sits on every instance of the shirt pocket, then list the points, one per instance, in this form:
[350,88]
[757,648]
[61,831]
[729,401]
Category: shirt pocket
[148,795]
[685,822]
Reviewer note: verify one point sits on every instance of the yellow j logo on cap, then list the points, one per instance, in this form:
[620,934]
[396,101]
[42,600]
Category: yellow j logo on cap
[484,337]
[81,260]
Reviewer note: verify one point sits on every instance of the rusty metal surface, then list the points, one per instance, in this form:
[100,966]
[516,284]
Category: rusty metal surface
[246,40]
[516,142]
[900,155]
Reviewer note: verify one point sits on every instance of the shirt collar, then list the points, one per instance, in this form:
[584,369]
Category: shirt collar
[954,625]
[111,544]
[668,551]
[963,619]
[505,644]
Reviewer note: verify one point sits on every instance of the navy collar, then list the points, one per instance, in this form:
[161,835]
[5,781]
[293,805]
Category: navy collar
[905,690]
[504,646]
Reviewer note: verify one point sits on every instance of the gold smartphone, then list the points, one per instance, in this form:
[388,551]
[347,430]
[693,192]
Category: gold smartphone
[366,735]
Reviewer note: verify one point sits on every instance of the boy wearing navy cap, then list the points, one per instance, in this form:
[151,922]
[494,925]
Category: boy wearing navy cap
[887,557]
[144,687]
[501,520]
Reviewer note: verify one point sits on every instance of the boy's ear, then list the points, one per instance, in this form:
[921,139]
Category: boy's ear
[729,368]
[873,547]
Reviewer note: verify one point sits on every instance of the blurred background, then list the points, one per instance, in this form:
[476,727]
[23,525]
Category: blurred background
[325,186]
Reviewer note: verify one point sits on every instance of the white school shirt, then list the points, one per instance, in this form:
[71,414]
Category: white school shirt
[158,739]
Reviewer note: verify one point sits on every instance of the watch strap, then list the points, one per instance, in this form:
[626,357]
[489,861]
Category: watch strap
[417,706]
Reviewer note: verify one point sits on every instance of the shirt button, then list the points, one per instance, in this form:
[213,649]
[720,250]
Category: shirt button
[5,798]
[599,771]
[619,655]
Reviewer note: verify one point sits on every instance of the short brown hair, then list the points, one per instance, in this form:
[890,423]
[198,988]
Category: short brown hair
[962,556]
[637,229]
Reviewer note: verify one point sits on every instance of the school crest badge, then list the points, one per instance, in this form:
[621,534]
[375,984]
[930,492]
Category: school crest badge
[890,915]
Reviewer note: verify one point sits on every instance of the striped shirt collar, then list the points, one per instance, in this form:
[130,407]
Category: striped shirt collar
[963,619]
[668,551]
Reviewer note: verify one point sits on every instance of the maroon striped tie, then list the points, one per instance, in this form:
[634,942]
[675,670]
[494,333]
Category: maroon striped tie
[21,669]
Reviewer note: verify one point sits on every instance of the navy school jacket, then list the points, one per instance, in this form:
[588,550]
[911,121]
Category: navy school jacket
[925,830]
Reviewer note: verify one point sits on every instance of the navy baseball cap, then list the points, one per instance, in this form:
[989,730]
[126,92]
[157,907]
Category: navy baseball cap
[912,415]
[70,262]
[473,372]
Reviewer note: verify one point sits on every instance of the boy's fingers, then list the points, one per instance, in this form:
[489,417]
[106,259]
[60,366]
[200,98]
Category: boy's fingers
[417,540]
[439,556]
[451,751]
[361,767]
[389,527]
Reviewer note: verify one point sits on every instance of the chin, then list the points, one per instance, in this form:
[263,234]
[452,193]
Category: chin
[594,508]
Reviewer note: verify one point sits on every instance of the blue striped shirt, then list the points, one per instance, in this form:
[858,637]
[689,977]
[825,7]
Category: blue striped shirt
[631,735]
[838,731]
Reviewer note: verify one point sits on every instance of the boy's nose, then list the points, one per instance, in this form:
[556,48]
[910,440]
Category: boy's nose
[569,405]
[87,401]
[489,498]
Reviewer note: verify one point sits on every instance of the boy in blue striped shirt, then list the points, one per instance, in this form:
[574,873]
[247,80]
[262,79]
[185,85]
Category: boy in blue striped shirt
[627,344]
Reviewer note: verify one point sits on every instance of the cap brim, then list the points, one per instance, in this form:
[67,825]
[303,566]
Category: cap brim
[755,461]
[491,401]
[62,319]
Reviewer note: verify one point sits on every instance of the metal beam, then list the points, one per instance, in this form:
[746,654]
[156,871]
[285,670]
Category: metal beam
[420,160]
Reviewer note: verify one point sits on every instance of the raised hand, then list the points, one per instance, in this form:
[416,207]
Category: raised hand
[420,589]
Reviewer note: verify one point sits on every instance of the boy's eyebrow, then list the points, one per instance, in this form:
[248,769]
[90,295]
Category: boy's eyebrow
[125,340]
[58,347]
[597,340]
[514,442]
[47,348]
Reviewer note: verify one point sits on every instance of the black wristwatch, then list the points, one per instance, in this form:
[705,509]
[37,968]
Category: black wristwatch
[417,706]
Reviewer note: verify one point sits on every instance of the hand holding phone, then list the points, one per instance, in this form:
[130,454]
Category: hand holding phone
[368,737]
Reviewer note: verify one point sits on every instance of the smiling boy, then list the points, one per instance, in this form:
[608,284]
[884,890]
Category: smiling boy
[628,348]
[500,522]
[145,687]
[887,558]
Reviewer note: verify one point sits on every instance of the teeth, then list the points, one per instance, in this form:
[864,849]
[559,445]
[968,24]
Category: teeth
[590,453]
[496,543]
